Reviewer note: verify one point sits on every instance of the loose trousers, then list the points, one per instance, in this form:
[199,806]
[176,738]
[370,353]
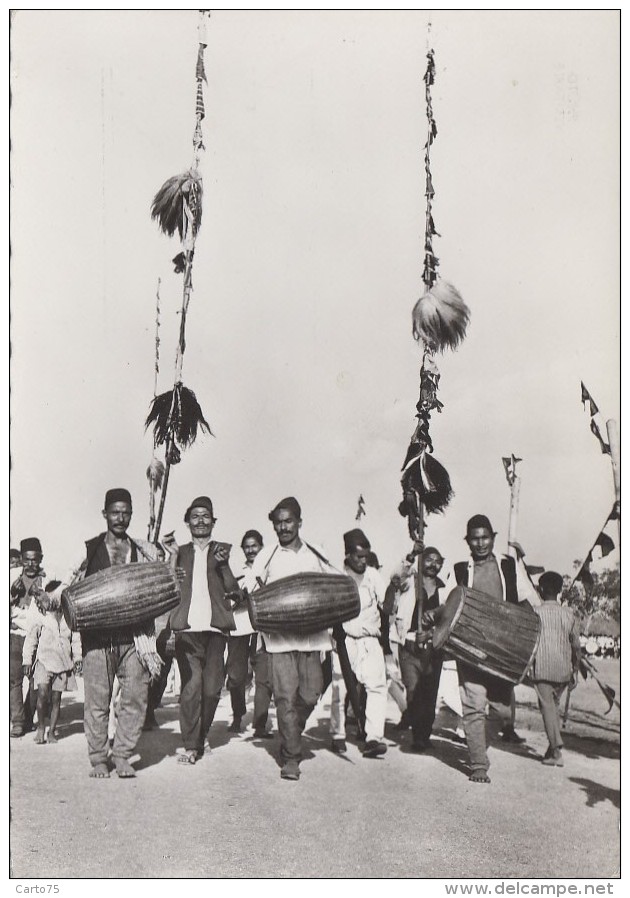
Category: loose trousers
[236,669]
[421,676]
[202,670]
[478,689]
[21,710]
[368,663]
[297,685]
[261,662]
[100,666]
[549,695]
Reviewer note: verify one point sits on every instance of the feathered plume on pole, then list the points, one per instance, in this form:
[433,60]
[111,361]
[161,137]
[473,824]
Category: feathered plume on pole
[440,318]
[176,416]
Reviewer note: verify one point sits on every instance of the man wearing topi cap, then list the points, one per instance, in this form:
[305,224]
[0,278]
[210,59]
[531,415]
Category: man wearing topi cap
[364,651]
[202,623]
[128,653]
[295,658]
[505,580]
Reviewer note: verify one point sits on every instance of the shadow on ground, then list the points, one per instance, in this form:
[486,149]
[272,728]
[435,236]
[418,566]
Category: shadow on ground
[595,792]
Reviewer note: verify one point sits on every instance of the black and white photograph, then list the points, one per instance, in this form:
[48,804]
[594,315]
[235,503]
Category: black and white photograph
[314,449]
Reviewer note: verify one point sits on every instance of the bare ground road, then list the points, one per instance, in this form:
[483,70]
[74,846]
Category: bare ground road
[404,815]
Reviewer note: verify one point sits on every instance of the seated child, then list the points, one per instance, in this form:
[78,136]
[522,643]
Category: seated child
[51,653]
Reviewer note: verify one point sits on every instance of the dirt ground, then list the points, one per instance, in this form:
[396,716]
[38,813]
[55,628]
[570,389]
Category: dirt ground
[404,815]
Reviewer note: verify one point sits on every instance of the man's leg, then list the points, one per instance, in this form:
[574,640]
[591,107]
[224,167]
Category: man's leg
[500,694]
[369,666]
[548,702]
[134,691]
[98,680]
[473,694]
[190,651]
[311,682]
[213,677]
[429,690]
[16,678]
[337,702]
[262,695]
[285,678]
[157,686]
[236,668]
[411,676]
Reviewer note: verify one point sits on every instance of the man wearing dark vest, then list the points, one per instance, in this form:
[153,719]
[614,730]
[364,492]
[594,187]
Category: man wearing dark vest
[420,664]
[128,653]
[507,581]
[202,623]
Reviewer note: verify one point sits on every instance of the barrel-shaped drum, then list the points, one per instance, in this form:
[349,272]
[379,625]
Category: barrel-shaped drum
[120,596]
[498,637]
[304,603]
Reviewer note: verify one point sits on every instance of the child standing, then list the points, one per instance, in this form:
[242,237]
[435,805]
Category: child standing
[51,653]
[557,660]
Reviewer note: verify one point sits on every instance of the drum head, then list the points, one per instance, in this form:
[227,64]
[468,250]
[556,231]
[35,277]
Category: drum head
[447,616]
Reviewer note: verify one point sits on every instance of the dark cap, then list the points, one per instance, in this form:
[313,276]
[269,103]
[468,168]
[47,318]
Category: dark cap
[14,553]
[551,582]
[431,550]
[117,495]
[354,538]
[289,504]
[199,502]
[476,522]
[30,544]
[252,534]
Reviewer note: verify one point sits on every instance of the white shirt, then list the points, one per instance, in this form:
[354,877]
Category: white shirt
[274,563]
[372,595]
[200,611]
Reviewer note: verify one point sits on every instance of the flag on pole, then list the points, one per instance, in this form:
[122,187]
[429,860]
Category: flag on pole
[510,468]
[603,546]
[596,429]
[360,509]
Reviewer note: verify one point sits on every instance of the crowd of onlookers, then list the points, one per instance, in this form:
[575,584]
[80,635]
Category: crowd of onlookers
[601,646]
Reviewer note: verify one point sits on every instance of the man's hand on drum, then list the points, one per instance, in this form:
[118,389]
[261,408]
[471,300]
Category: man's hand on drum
[428,619]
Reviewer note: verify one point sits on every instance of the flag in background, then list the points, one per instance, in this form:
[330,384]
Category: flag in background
[510,468]
[594,412]
[360,509]
[603,546]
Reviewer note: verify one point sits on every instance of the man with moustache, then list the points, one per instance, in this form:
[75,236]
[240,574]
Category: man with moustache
[202,623]
[295,659]
[127,653]
[251,544]
[364,651]
[420,664]
[507,581]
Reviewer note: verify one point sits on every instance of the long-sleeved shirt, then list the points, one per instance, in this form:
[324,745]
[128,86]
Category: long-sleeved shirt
[559,647]
[273,563]
[241,615]
[50,641]
[372,595]
[18,615]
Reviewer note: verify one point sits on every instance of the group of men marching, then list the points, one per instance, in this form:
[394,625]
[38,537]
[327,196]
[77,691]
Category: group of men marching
[213,635]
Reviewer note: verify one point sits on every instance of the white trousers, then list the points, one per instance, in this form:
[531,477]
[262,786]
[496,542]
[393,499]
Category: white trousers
[368,664]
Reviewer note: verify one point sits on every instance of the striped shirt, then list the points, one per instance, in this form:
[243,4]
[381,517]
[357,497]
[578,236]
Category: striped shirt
[559,644]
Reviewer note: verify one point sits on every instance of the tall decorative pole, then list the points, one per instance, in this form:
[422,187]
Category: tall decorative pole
[440,319]
[176,416]
[514,482]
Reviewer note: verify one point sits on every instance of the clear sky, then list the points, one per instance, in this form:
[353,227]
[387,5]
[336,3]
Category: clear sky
[308,264]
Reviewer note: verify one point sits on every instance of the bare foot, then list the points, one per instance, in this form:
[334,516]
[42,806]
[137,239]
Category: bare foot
[479,776]
[52,736]
[188,757]
[39,737]
[99,772]
[124,769]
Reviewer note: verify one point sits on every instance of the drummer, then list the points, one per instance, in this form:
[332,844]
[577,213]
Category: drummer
[507,581]
[128,653]
[296,667]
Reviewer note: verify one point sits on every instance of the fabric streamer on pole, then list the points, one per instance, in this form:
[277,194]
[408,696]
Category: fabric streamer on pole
[176,416]
[440,319]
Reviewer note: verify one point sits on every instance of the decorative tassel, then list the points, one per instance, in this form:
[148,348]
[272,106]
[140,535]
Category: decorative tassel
[176,416]
[440,317]
[168,203]
[155,474]
[430,481]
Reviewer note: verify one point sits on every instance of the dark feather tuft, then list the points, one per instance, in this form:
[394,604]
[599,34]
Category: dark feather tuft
[176,415]
[168,203]
[430,481]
